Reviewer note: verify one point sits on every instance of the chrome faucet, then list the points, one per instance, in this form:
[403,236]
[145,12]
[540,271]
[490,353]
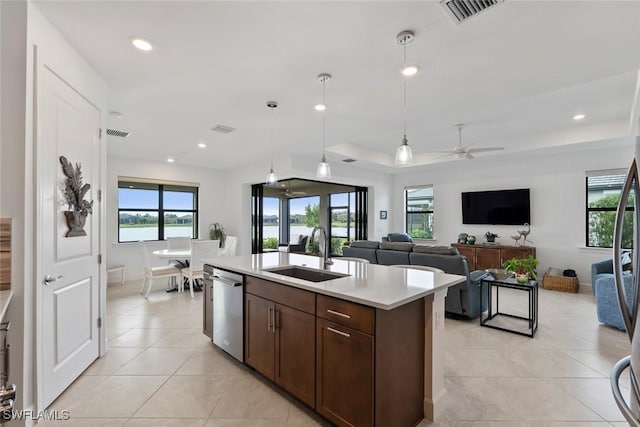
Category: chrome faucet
[327,245]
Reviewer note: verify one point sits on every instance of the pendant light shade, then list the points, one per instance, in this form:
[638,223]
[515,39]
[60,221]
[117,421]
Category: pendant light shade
[272,178]
[324,170]
[404,155]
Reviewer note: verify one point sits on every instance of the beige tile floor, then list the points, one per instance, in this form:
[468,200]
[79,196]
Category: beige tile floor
[162,371]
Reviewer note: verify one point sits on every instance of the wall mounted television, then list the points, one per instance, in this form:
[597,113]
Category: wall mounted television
[503,207]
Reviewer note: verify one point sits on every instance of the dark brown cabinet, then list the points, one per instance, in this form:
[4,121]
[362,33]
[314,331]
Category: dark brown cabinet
[207,314]
[280,339]
[344,378]
[481,257]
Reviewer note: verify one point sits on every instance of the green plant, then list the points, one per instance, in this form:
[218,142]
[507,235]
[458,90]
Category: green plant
[270,243]
[74,189]
[522,266]
[490,235]
[216,232]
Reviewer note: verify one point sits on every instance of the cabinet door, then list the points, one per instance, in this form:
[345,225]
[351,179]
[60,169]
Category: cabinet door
[470,253]
[487,258]
[207,314]
[344,376]
[259,335]
[514,253]
[296,353]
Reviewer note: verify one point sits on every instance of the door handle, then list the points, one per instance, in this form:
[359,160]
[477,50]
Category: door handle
[49,279]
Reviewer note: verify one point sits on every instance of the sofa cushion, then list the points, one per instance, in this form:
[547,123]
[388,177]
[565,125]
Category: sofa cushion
[392,257]
[399,237]
[397,246]
[452,264]
[440,250]
[364,244]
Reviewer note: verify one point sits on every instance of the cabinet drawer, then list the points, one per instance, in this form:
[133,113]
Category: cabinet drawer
[283,294]
[346,313]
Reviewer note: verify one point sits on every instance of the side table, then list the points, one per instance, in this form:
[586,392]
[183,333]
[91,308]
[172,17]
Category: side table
[531,287]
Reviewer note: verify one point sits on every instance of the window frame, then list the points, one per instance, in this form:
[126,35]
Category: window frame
[588,209]
[407,213]
[161,211]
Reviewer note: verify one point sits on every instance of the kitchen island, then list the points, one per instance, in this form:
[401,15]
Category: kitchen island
[362,344]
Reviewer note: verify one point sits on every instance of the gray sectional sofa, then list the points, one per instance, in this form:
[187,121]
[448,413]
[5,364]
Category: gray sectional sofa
[462,299]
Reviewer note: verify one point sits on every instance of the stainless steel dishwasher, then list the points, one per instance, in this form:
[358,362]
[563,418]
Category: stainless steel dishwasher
[228,312]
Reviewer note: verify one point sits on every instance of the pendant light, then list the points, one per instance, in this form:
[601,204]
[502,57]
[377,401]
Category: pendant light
[404,155]
[272,179]
[324,170]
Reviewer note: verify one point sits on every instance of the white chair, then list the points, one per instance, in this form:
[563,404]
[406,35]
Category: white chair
[420,267]
[351,258]
[151,272]
[200,250]
[230,245]
[116,269]
[178,242]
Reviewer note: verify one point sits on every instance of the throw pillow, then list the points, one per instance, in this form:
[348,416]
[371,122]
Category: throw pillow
[399,237]
[397,246]
[369,244]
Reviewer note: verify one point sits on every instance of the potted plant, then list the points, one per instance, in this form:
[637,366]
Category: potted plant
[491,237]
[216,232]
[524,268]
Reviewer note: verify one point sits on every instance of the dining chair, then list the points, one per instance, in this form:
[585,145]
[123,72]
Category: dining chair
[178,242]
[200,250]
[230,246]
[351,258]
[151,272]
[419,267]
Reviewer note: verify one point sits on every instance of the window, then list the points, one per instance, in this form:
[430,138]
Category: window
[270,222]
[342,220]
[419,212]
[603,195]
[150,211]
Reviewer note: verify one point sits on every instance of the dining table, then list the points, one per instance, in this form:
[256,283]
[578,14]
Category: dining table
[180,255]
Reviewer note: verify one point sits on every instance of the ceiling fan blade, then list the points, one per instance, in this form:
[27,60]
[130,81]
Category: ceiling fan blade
[480,150]
[468,155]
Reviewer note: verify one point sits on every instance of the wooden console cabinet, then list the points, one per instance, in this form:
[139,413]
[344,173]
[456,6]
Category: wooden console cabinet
[481,257]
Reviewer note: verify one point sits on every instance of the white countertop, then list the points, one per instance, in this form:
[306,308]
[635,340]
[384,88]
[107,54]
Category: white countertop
[369,284]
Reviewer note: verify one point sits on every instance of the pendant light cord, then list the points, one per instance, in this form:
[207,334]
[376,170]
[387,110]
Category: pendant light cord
[273,112]
[324,116]
[404,110]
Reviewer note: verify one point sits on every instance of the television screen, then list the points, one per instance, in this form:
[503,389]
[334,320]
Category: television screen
[504,207]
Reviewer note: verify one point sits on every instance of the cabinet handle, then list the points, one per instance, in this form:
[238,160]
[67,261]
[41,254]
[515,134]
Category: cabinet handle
[276,319]
[335,331]
[337,313]
[269,319]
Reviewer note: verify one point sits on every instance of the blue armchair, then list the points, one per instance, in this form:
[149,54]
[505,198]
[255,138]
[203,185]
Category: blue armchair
[600,269]
[607,306]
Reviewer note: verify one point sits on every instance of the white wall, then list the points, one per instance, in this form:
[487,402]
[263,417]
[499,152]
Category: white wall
[212,203]
[557,183]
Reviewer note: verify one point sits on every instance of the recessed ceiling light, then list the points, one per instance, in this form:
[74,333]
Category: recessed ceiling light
[578,117]
[410,70]
[141,44]
[320,107]
[202,145]
[170,160]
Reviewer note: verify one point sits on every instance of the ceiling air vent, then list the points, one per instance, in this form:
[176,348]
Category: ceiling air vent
[461,10]
[118,133]
[223,129]
[348,160]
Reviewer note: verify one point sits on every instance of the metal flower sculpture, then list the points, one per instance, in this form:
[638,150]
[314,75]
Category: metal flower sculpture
[74,192]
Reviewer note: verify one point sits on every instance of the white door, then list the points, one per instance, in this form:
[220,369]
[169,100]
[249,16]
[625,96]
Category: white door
[67,125]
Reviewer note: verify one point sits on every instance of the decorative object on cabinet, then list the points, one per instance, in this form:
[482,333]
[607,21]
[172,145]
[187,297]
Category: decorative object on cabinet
[525,233]
[383,214]
[216,232]
[471,239]
[462,238]
[516,238]
[74,192]
[490,236]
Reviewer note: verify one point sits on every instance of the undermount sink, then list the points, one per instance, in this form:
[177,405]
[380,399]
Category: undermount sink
[310,274]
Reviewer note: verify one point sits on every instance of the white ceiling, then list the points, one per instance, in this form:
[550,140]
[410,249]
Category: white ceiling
[515,75]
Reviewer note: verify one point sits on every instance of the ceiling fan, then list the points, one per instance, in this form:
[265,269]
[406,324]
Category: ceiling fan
[289,193]
[466,152]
